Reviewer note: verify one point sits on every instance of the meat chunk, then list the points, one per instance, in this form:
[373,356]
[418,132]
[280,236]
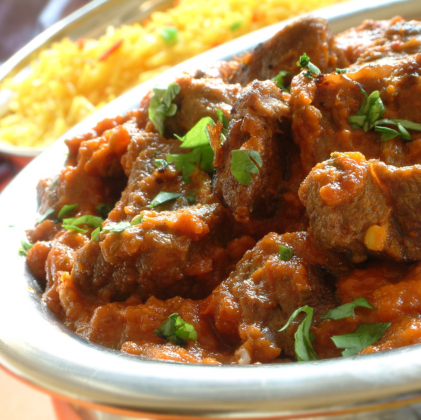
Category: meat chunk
[199,98]
[258,122]
[309,35]
[263,291]
[322,106]
[374,40]
[364,208]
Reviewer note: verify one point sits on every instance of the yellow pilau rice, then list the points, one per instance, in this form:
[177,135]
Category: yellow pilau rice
[71,80]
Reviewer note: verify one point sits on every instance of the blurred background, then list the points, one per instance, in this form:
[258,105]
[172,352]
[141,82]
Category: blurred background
[20,21]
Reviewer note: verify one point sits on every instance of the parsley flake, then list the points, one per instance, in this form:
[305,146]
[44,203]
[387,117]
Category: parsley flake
[123,225]
[202,153]
[303,337]
[103,209]
[365,335]
[347,310]
[340,71]
[160,163]
[285,253]
[25,247]
[279,79]
[95,234]
[170,35]
[161,105]
[244,163]
[191,198]
[46,215]
[66,209]
[305,63]
[176,330]
[74,223]
[163,197]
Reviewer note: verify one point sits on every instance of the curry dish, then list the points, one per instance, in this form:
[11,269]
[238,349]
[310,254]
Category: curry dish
[261,210]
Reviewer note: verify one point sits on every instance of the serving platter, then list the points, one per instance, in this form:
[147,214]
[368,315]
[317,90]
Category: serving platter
[35,346]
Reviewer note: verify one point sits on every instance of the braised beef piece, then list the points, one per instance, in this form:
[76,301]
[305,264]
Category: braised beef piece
[308,35]
[223,70]
[365,208]
[258,122]
[374,40]
[199,98]
[321,108]
[179,249]
[263,291]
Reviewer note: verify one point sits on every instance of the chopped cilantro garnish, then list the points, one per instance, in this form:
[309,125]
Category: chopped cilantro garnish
[161,105]
[160,163]
[236,25]
[285,253]
[340,71]
[305,63]
[303,337]
[73,227]
[224,120]
[103,209]
[202,154]
[198,135]
[74,223]
[163,197]
[279,79]
[170,35]
[66,209]
[122,226]
[176,330]
[347,310]
[191,198]
[25,247]
[46,215]
[95,234]
[370,115]
[53,183]
[244,163]
[365,335]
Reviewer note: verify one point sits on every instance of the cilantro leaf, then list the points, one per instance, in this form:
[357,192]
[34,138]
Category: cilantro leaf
[103,209]
[285,253]
[87,219]
[303,337]
[123,225]
[347,310]
[66,209]
[116,226]
[170,35]
[244,163]
[191,198]
[176,330]
[163,197]
[224,120]
[198,135]
[161,105]
[160,163]
[45,216]
[95,234]
[25,247]
[185,163]
[305,63]
[279,79]
[364,336]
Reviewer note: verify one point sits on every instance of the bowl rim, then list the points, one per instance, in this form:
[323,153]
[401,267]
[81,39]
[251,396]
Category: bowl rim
[35,346]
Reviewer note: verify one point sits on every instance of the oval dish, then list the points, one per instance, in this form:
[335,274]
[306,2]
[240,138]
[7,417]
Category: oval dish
[35,346]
